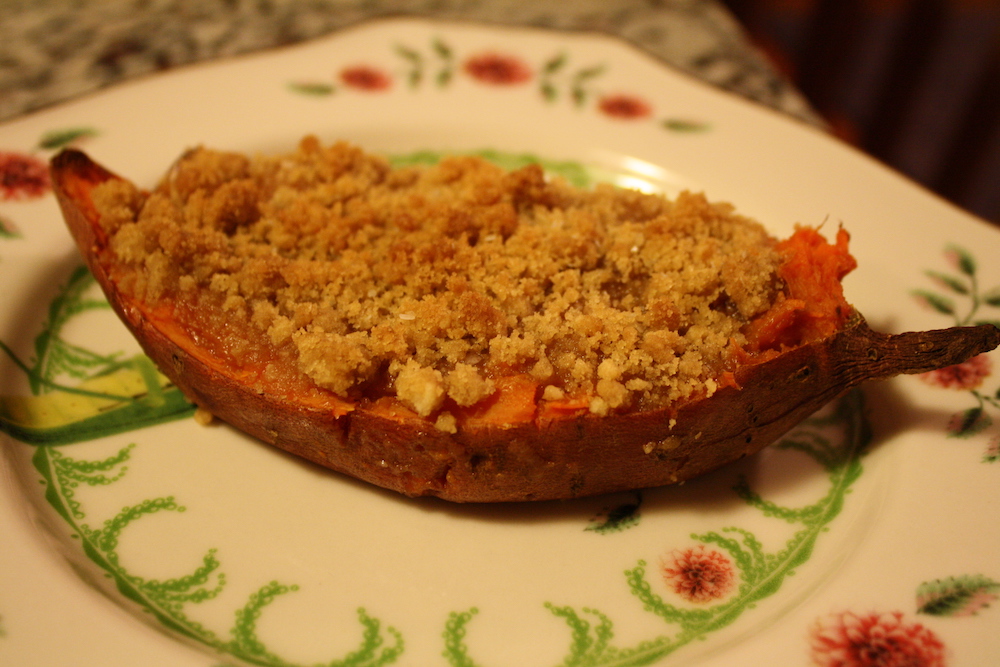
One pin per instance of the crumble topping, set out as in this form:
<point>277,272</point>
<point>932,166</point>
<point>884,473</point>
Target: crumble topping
<point>325,268</point>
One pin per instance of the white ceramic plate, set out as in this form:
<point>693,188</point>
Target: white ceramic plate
<point>871,530</point>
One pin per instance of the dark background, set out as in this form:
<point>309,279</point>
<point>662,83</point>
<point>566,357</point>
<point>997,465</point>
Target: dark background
<point>915,83</point>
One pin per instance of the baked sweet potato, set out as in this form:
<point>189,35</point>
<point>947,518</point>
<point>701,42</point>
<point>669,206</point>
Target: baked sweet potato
<point>513,446</point>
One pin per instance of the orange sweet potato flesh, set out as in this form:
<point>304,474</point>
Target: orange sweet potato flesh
<point>509,448</point>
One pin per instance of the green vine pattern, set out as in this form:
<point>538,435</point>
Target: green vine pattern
<point>591,631</point>
<point>761,573</point>
<point>167,599</point>
<point>60,368</point>
<point>54,355</point>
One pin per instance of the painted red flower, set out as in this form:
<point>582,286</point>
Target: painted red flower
<point>497,69</point>
<point>874,640</point>
<point>626,107</point>
<point>699,574</point>
<point>22,177</point>
<point>363,77</point>
<point>966,375</point>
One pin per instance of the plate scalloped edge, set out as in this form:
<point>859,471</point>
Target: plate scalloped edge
<point>959,291</point>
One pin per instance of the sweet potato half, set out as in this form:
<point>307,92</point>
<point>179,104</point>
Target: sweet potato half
<point>514,447</point>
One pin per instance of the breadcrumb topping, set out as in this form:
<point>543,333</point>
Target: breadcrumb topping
<point>427,284</point>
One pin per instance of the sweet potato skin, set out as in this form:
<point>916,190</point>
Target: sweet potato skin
<point>536,459</point>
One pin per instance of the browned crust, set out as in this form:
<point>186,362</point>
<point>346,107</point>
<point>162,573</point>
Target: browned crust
<point>566,458</point>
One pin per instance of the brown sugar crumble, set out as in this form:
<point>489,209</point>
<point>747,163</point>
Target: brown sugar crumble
<point>325,270</point>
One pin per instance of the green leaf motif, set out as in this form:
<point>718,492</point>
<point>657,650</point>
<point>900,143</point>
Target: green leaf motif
<point>550,89</point>
<point>408,54</point>
<point>964,260</point>
<point>56,139</point>
<point>991,297</point>
<point>685,126</point>
<point>555,64</point>
<point>992,454</point>
<point>578,89</point>
<point>8,230</point>
<point>312,88</point>
<point>957,596</point>
<point>969,422</point>
<point>589,73</point>
<point>549,92</point>
<point>617,518</point>
<point>941,304</point>
<point>950,282</point>
<point>418,65</point>
<point>415,75</point>
<point>442,49</point>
